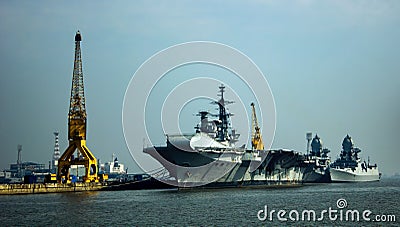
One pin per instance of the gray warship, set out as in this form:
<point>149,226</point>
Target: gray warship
<point>209,157</point>
<point>316,162</point>
<point>349,167</point>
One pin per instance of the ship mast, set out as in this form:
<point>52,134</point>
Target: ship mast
<point>77,126</point>
<point>222,133</point>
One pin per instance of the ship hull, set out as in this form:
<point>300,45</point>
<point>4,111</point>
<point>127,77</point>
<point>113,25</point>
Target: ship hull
<point>278,167</point>
<point>357,175</point>
<point>247,184</point>
<point>317,176</point>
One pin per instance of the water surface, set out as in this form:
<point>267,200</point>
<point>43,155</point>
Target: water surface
<point>219,207</point>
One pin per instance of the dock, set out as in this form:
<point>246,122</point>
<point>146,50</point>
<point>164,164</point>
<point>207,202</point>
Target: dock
<point>38,188</point>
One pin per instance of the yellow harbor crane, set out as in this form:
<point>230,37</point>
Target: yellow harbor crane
<point>77,152</point>
<point>256,138</point>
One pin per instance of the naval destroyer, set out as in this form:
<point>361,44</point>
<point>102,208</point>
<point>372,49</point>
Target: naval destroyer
<point>209,157</point>
<point>316,162</point>
<point>349,167</point>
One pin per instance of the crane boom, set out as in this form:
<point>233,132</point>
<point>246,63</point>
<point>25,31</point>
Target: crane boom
<point>256,138</point>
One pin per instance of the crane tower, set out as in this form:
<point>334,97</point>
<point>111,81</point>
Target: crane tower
<point>77,152</point>
<point>56,154</point>
<point>256,138</point>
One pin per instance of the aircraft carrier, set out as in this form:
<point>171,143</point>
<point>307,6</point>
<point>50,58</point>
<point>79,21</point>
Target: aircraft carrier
<point>209,158</point>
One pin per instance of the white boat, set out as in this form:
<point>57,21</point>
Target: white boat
<point>349,167</point>
<point>357,174</point>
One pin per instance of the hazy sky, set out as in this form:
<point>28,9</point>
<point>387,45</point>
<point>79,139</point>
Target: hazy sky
<point>333,68</point>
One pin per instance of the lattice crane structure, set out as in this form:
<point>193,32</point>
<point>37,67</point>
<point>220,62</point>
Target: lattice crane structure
<point>77,153</point>
<point>256,138</point>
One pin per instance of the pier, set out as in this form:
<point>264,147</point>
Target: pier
<point>37,188</point>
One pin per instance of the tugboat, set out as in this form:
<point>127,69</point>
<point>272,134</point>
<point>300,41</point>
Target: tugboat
<point>317,162</point>
<point>349,167</point>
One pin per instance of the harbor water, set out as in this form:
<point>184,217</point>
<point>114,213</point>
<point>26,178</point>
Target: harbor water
<point>205,207</point>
